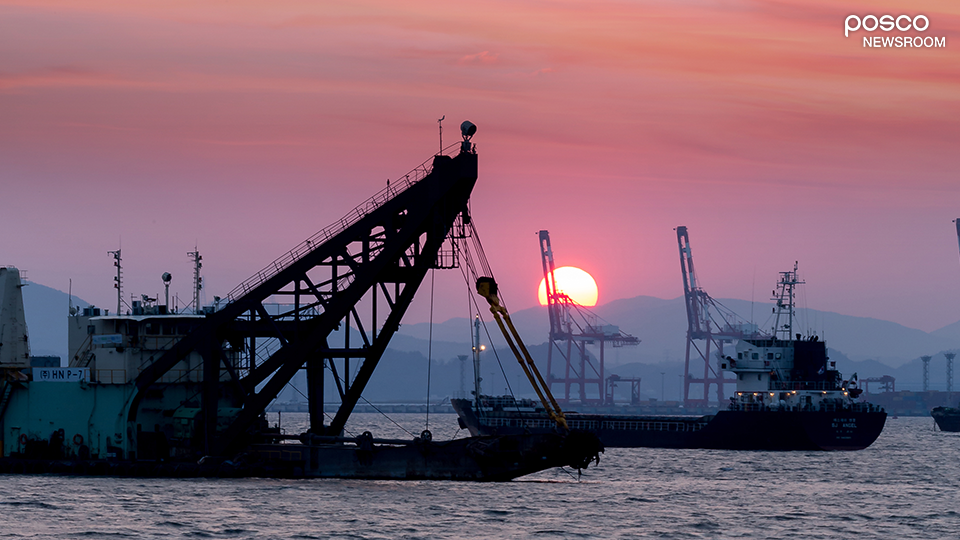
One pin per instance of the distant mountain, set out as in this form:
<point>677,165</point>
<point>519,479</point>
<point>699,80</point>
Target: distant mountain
<point>661,326</point>
<point>909,376</point>
<point>46,311</point>
<point>950,331</point>
<point>870,347</point>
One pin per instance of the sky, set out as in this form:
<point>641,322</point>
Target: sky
<point>242,128</point>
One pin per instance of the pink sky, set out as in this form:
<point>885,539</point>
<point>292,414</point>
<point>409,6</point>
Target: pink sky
<point>244,127</point>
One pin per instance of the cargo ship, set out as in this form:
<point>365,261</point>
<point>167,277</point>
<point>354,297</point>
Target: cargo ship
<point>155,390</point>
<point>947,418</point>
<point>789,396</point>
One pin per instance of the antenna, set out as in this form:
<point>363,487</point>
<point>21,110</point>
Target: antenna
<point>440,124</point>
<point>118,280</point>
<point>197,280</point>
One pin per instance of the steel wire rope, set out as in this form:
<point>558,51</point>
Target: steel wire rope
<point>371,405</point>
<point>473,271</point>
<point>304,397</point>
<point>433,273</point>
<point>464,250</point>
<point>486,331</point>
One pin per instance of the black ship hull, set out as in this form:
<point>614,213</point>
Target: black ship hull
<point>731,430</point>
<point>482,459</point>
<point>947,418</point>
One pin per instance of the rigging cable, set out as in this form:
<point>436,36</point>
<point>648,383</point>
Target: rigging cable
<point>471,266</point>
<point>374,407</point>
<point>433,273</point>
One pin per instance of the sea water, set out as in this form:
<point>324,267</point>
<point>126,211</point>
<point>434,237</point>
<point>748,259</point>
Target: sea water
<point>906,485</point>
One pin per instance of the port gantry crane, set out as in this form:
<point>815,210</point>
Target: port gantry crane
<point>572,328</point>
<point>709,326</point>
<point>360,273</point>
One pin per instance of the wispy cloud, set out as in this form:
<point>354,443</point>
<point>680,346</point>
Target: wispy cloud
<point>484,58</point>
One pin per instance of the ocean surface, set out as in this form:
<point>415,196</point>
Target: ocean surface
<point>907,485</point>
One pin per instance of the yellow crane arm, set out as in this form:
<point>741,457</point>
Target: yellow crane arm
<point>487,288</point>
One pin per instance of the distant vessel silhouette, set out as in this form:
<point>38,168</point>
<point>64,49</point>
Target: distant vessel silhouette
<point>789,397</point>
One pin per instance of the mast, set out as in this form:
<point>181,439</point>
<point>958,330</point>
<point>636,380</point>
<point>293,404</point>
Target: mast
<point>476,363</point>
<point>784,295</point>
<point>118,280</point>
<point>197,279</point>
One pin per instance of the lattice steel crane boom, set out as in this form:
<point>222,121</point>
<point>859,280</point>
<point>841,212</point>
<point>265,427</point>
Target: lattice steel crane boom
<point>360,273</point>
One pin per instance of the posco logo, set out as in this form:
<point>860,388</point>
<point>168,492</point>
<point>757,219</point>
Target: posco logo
<point>887,23</point>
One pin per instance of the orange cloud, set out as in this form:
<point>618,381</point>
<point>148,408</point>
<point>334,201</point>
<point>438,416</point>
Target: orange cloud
<point>643,112</point>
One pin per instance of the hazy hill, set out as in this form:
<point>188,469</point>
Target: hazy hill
<point>870,347</point>
<point>661,326</point>
<point>46,311</point>
<point>951,331</point>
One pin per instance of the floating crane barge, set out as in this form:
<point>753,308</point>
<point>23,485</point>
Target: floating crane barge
<point>183,394</point>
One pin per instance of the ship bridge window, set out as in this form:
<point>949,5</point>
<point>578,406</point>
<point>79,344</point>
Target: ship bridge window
<point>739,356</point>
<point>168,329</point>
<point>769,356</point>
<point>756,356</point>
<point>152,329</point>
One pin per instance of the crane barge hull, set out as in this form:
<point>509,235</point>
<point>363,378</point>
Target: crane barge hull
<point>485,459</point>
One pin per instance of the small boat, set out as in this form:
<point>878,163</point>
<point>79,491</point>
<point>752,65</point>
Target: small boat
<point>947,418</point>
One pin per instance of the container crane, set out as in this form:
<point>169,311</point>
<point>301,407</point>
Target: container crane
<point>572,328</point>
<point>709,326</point>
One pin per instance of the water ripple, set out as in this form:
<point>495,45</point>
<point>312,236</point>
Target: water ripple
<point>902,487</point>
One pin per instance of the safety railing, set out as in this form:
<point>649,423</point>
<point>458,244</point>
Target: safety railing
<point>594,425</point>
<point>393,188</point>
<point>828,405</point>
<point>109,376</point>
<point>803,385</point>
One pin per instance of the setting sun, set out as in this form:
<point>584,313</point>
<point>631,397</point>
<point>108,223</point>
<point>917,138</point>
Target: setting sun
<point>575,283</point>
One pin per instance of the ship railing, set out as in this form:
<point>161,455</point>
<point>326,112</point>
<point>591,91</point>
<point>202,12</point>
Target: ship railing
<point>823,406</point>
<point>394,188</point>
<point>500,403</point>
<point>108,376</point>
<point>595,425</point>
<point>179,376</point>
<point>803,385</point>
